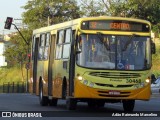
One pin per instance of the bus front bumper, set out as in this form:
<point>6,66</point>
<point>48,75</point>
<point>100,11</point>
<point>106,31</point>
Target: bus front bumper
<point>83,91</point>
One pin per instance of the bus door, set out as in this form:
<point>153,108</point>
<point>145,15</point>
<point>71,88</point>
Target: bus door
<point>35,59</point>
<point>50,65</point>
<point>71,65</point>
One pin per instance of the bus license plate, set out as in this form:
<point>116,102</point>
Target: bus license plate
<point>114,92</point>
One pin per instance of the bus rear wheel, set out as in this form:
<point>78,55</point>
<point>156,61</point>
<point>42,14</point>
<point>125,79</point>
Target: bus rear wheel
<point>128,105</point>
<point>71,103</point>
<point>53,102</point>
<point>101,104</point>
<point>43,99</point>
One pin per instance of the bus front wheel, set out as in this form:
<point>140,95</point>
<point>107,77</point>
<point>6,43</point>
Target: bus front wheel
<point>43,99</point>
<point>128,105</point>
<point>71,103</point>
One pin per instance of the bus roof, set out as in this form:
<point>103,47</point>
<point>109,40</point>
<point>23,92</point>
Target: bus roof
<point>78,21</point>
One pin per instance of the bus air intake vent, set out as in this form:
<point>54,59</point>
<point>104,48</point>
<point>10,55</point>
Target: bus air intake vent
<point>109,85</point>
<point>114,75</point>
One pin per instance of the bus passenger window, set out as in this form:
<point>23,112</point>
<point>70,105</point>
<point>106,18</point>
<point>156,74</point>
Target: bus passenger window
<point>60,37</point>
<point>67,35</point>
<point>46,48</point>
<point>66,50</point>
<point>66,44</point>
<point>41,46</point>
<point>60,41</point>
<point>58,51</point>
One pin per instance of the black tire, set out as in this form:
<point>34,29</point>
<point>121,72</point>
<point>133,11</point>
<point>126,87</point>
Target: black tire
<point>100,103</point>
<point>71,103</point>
<point>53,102</point>
<point>128,105</point>
<point>42,99</point>
<point>91,103</point>
<point>64,89</point>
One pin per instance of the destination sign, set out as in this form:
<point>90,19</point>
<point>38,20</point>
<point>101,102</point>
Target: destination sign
<point>117,25</point>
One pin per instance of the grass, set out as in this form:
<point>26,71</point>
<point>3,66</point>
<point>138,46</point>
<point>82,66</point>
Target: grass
<point>12,75</point>
<point>156,59</point>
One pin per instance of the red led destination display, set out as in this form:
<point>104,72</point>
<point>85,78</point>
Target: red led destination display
<point>116,25</point>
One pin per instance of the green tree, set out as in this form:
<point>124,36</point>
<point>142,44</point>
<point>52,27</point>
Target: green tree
<point>16,52</point>
<point>143,9</point>
<point>38,12</point>
<point>92,8</point>
<point>101,7</point>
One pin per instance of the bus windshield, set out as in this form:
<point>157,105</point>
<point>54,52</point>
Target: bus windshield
<point>99,51</point>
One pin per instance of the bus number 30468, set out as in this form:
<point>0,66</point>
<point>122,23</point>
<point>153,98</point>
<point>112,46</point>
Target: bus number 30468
<point>133,81</point>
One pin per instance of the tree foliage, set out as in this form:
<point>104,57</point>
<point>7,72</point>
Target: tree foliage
<point>38,11</point>
<point>92,8</point>
<point>16,51</point>
<point>143,9</point>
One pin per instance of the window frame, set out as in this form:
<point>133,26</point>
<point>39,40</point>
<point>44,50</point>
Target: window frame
<point>47,46</point>
<point>41,47</point>
<point>61,43</point>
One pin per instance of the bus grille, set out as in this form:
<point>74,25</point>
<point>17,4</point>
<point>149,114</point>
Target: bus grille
<point>110,85</point>
<point>114,75</point>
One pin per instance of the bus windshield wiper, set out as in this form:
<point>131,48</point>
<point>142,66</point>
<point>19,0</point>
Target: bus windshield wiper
<point>99,34</point>
<point>128,42</point>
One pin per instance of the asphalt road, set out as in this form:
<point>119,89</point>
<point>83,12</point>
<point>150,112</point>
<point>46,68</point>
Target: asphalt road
<point>22,103</point>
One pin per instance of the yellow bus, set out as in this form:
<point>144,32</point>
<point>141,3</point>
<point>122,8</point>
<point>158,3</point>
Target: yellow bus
<point>94,60</point>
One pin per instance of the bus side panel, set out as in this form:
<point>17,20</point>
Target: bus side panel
<point>57,82</point>
<point>40,73</point>
<point>45,77</point>
<point>51,65</point>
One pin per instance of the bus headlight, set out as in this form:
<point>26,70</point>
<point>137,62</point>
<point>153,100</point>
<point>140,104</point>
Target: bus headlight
<point>80,78</point>
<point>147,80</point>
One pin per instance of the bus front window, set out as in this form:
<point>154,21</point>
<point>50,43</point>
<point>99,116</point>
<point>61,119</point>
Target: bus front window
<point>114,52</point>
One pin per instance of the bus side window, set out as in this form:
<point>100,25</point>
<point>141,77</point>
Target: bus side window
<point>66,45</point>
<point>60,40</point>
<point>46,47</point>
<point>41,47</point>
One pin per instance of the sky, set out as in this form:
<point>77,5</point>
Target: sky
<point>10,8</point>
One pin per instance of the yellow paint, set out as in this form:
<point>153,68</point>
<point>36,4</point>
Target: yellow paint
<point>82,91</point>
